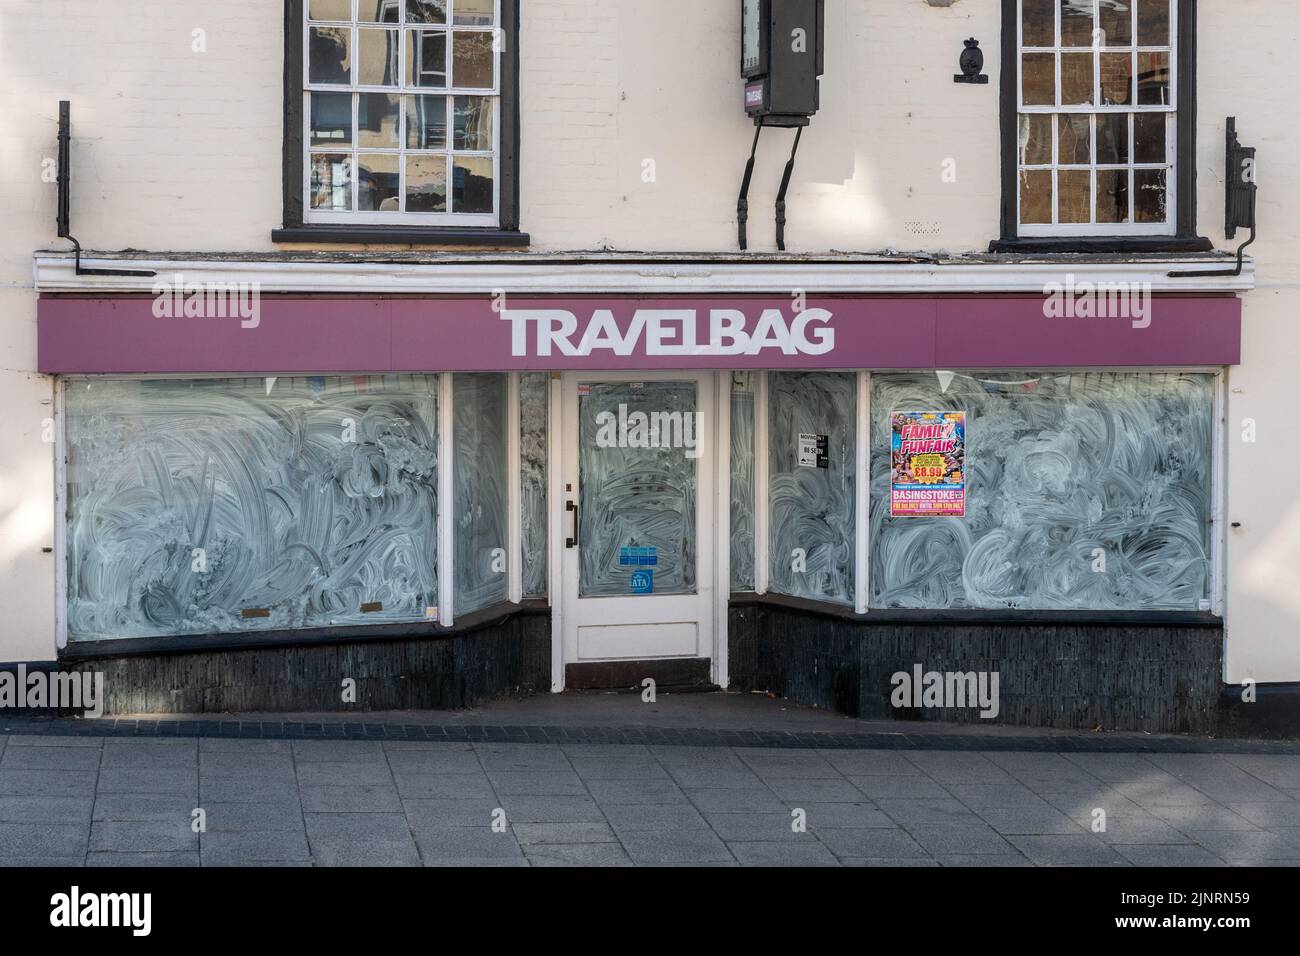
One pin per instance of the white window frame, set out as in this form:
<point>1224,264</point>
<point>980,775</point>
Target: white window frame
<point>1130,228</point>
<point>401,91</point>
<point>862,552</point>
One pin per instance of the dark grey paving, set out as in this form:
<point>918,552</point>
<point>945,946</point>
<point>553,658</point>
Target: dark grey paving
<point>872,844</point>
<point>245,847</point>
<point>533,834</point>
<point>460,844</point>
<point>687,845</point>
<point>148,836</point>
<point>1066,850</point>
<point>959,838</point>
<point>578,854</point>
<point>405,802</point>
<point>1188,855</point>
<point>783,854</point>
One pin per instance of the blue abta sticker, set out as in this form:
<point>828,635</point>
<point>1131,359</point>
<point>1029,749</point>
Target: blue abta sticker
<point>640,557</point>
<point>643,582</point>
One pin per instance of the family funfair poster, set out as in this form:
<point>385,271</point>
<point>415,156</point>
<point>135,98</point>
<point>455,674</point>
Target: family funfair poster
<point>928,477</point>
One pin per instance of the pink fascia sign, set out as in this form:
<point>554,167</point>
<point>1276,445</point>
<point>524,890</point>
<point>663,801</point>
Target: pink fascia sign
<point>123,334</point>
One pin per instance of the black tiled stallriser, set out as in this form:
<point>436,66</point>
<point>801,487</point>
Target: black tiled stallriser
<point>692,737</point>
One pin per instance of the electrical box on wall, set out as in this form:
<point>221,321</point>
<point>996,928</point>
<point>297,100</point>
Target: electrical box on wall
<point>781,59</point>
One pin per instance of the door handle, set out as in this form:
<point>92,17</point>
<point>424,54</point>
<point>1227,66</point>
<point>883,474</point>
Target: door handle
<point>573,541</point>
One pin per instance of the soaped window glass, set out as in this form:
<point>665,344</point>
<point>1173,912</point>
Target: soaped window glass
<point>742,481</point>
<point>245,504</point>
<point>533,404</point>
<point>480,490</point>
<point>812,424</point>
<point>638,486</point>
<point>1084,491</point>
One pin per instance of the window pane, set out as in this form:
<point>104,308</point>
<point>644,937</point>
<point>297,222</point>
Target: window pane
<point>310,498</point>
<point>1149,196</point>
<point>331,181</point>
<point>638,480</point>
<point>426,183</point>
<point>742,481</point>
<point>378,185</point>
<point>1117,22</point>
<point>480,482</point>
<point>1076,79</point>
<point>1153,22</point>
<point>1035,139</point>
<point>1153,79</point>
<point>534,391</point>
<point>473,12</point>
<point>379,11</point>
<point>1149,131</point>
<point>1036,196</point>
<point>1112,195</point>
<point>426,122</point>
<point>426,58</point>
<point>329,10</point>
<point>1075,147</point>
<point>1076,23</point>
<point>1112,139</point>
<point>812,509</point>
<point>1116,79</point>
<point>377,120</point>
<point>379,57</point>
<point>472,184</point>
<point>331,119</point>
<point>1059,463</point>
<point>1038,75</point>
<point>329,55</point>
<point>426,11</point>
<point>1074,195</point>
<point>1038,23</point>
<point>472,60</point>
<point>473,118</point>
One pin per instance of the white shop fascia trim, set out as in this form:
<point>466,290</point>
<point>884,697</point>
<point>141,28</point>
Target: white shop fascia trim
<point>572,275</point>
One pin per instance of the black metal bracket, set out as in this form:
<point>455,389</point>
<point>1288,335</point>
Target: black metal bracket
<point>65,198</point>
<point>1240,193</point>
<point>780,196</point>
<point>742,203</point>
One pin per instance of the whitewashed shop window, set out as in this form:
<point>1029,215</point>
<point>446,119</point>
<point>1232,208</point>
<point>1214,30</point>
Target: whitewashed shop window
<point>480,476</point>
<point>248,504</point>
<point>1097,117</point>
<point>742,480</point>
<point>1084,491</point>
<point>812,455</point>
<point>402,112</point>
<point>534,405</point>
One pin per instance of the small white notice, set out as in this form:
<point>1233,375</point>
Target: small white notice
<point>814,451</point>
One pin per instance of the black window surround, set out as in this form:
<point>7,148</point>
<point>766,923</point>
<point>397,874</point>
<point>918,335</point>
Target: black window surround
<point>295,229</point>
<point>1185,239</point>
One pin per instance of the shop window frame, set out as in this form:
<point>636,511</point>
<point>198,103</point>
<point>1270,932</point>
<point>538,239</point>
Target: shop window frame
<point>447,621</point>
<point>862,610</point>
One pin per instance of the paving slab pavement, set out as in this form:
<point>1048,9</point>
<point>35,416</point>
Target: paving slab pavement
<point>607,780</point>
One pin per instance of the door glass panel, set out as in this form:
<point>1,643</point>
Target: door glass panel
<point>638,447</point>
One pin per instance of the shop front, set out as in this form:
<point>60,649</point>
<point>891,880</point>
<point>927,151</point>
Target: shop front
<point>445,497</point>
